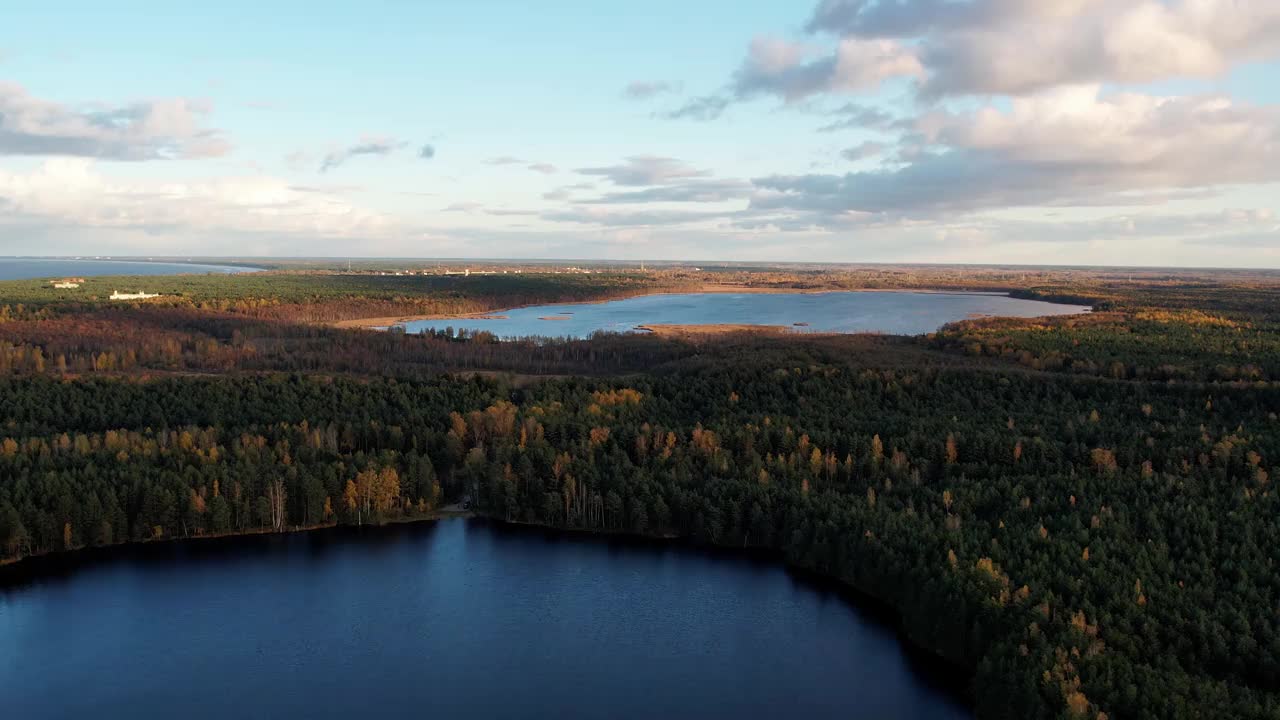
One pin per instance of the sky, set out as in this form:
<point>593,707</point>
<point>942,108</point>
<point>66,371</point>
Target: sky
<point>1083,132</point>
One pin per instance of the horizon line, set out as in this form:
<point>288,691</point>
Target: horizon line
<point>243,259</point>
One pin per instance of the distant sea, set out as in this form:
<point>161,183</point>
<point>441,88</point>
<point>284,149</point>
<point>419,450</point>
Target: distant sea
<point>23,268</point>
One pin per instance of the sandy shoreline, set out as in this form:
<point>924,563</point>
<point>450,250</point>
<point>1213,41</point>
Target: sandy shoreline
<point>673,330</point>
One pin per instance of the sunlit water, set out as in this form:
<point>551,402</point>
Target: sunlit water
<point>898,313</point>
<point>457,619</point>
<point>24,268</point>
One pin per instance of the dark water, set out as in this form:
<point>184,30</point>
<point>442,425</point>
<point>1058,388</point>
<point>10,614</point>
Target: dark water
<point>898,313</point>
<point>24,268</point>
<point>457,619</point>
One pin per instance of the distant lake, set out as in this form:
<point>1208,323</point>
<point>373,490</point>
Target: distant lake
<point>25,268</point>
<point>898,313</point>
<point>455,619</point>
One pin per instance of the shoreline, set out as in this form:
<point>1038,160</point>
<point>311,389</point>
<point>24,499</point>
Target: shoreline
<point>10,563</point>
<point>685,331</point>
<point>388,321</point>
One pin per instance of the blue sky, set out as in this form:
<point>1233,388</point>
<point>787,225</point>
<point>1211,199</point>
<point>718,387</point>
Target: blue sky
<point>1060,131</point>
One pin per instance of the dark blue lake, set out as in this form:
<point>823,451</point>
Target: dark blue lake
<point>898,313</point>
<point>455,619</point>
<point>24,268</point>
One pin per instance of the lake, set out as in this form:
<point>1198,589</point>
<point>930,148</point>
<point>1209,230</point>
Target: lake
<point>25,268</point>
<point>898,313</point>
<point>457,619</point>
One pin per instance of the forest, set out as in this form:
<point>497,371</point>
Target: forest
<point>1078,511</point>
<point>323,296</point>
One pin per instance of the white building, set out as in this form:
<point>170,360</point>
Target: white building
<point>117,295</point>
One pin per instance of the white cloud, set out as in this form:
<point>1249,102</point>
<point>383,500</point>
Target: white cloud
<point>151,130</point>
<point>68,206</point>
<point>1244,237</point>
<point>642,170</point>
<point>378,146</point>
<point>790,71</point>
<point>1068,146</point>
<point>703,108</point>
<point>70,192</point>
<point>645,89</point>
<point>855,116</point>
<point>538,167</point>
<point>630,218</point>
<point>864,151</point>
<point>797,71</point>
<point>1167,138</point>
<point>693,191</point>
<point>1017,47</point>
